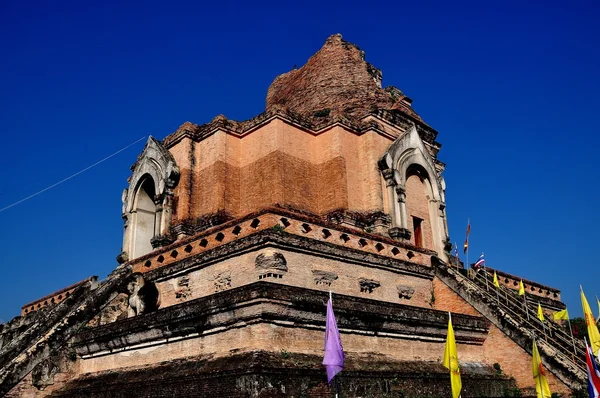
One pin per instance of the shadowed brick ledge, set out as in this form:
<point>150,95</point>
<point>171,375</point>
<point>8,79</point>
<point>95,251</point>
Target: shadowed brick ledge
<point>265,302</point>
<point>277,375</point>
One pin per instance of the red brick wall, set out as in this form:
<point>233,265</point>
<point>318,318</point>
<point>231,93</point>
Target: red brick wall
<point>516,362</point>
<point>447,300</point>
<point>279,164</point>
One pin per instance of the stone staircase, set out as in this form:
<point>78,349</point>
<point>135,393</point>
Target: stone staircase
<point>44,335</point>
<point>552,332</point>
<point>506,310</point>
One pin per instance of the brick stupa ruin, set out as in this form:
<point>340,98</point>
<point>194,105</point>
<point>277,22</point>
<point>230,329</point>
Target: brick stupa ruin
<point>234,234</point>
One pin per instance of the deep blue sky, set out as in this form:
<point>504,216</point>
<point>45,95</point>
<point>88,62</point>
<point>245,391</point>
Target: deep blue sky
<point>512,89</point>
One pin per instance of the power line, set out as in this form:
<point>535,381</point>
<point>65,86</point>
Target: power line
<point>71,176</point>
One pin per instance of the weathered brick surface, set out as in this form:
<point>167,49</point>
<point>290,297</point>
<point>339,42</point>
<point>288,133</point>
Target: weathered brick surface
<point>365,348</point>
<point>226,239</point>
<point>337,78</point>
<point>26,389</point>
<point>264,374</point>
<point>516,362</point>
<point>280,164</point>
<point>241,270</point>
<point>497,349</point>
<point>316,147</point>
<point>447,300</point>
<point>182,153</point>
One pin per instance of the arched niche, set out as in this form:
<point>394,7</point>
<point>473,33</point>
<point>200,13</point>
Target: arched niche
<point>408,169</point>
<point>143,217</point>
<point>418,193</point>
<point>148,201</point>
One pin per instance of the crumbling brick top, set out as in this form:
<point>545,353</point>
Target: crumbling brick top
<point>336,85</point>
<point>336,81</point>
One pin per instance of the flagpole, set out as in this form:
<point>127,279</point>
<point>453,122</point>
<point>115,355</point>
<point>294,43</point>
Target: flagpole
<point>468,265</point>
<point>572,338</point>
<point>525,303</point>
<point>487,285</point>
<point>456,251</point>
<point>335,384</point>
<point>539,379</point>
<point>335,381</point>
<point>467,239</point>
<point>544,326</point>
<point>598,301</point>
<point>498,294</point>
<point>542,318</point>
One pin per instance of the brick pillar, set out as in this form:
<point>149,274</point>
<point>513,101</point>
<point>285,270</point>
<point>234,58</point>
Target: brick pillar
<point>401,192</point>
<point>390,184</point>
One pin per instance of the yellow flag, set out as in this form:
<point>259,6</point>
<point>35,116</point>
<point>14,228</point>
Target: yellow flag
<point>590,321</point>
<point>496,280</point>
<point>451,362</point>
<point>540,313</point>
<point>561,315</point>
<point>521,288</point>
<point>539,375</point>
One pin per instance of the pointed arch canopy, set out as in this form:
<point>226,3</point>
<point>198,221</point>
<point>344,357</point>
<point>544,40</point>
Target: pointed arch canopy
<point>407,156</point>
<point>407,151</point>
<point>157,162</point>
<point>147,202</point>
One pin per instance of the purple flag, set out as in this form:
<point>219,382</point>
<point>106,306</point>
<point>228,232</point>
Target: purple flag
<point>334,352</point>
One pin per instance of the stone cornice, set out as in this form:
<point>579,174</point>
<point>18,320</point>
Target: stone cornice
<point>287,224</point>
<point>264,302</point>
<point>295,373</point>
<point>315,126</point>
<point>270,238</point>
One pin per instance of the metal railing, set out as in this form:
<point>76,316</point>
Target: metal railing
<point>513,306</point>
<point>529,308</point>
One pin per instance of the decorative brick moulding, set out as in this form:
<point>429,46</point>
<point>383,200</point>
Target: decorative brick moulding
<point>281,221</point>
<point>54,298</point>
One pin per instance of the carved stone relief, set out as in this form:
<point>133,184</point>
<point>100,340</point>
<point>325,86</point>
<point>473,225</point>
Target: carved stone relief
<point>183,291</point>
<point>270,264</point>
<point>55,366</point>
<point>368,285</point>
<point>43,375</point>
<point>222,281</point>
<point>324,277</point>
<point>405,292</point>
<point>143,296</point>
<point>115,310</point>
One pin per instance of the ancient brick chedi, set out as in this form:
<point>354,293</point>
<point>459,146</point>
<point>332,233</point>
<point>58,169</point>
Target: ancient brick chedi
<point>235,232</point>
